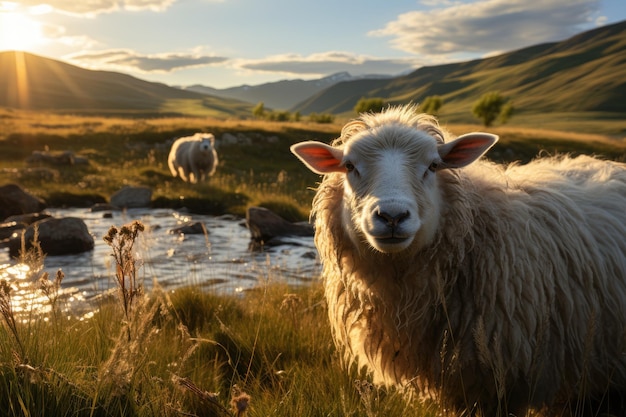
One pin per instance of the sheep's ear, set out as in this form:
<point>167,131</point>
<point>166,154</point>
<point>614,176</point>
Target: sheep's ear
<point>465,149</point>
<point>319,157</point>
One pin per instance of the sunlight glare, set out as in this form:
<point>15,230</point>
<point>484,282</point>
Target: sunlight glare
<point>19,32</point>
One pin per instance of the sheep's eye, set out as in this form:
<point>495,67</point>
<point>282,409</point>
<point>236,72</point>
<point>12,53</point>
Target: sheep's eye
<point>431,169</point>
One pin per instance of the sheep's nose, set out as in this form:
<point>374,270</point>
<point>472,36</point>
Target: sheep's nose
<point>392,220</point>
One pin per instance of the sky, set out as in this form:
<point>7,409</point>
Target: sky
<point>227,43</point>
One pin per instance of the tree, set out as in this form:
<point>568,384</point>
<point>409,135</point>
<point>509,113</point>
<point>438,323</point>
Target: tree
<point>369,105</point>
<point>506,113</point>
<point>431,104</point>
<point>488,107</point>
<point>259,110</point>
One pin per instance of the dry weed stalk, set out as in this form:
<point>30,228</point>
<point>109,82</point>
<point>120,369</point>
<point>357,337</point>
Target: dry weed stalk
<point>369,396</point>
<point>290,305</point>
<point>6,309</point>
<point>34,255</point>
<point>122,242</point>
<point>51,289</point>
<point>130,356</point>
<point>240,401</point>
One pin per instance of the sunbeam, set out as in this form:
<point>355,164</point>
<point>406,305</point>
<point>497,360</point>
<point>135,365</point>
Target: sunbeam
<point>19,32</point>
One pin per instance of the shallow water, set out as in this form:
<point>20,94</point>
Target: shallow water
<point>219,260</point>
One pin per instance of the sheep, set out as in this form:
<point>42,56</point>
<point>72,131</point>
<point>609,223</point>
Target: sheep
<point>193,158</point>
<point>493,289</point>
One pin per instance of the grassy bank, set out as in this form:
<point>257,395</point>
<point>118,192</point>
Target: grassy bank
<point>125,151</point>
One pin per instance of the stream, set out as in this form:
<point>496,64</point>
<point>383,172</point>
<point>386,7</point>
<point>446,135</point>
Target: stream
<point>219,261</point>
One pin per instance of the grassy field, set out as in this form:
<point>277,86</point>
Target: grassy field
<point>189,352</point>
<point>267,352</point>
<point>133,151</point>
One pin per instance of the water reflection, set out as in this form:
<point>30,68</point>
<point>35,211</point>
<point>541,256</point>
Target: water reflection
<point>219,260</point>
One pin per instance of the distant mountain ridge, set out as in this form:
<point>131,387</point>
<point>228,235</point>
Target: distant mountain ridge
<point>582,73</point>
<point>36,83</point>
<point>282,94</point>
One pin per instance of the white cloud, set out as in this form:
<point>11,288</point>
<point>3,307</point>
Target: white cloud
<point>487,25</point>
<point>94,7</point>
<point>328,63</point>
<point>128,60</point>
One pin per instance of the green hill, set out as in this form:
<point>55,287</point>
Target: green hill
<point>32,82</point>
<point>581,74</point>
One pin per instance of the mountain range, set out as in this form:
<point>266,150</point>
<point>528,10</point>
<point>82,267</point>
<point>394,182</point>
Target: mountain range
<point>586,73</point>
<point>282,94</point>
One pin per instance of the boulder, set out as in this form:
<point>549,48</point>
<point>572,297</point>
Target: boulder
<point>190,228</point>
<point>103,207</point>
<point>132,197</point>
<point>265,225</point>
<point>27,218</point>
<point>8,228</point>
<point>64,236</point>
<point>14,200</point>
<point>56,158</point>
<point>17,223</point>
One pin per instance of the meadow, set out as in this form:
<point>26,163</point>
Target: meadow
<point>189,352</point>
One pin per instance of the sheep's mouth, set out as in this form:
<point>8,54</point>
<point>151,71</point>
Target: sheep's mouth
<point>391,240</point>
<point>390,244</point>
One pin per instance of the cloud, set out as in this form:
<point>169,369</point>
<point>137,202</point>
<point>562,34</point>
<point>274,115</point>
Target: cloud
<point>329,63</point>
<point>487,25</point>
<point>128,60</point>
<point>94,7</point>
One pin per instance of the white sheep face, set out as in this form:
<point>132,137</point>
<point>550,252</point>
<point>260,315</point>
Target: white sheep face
<point>391,198</point>
<point>206,145</point>
<point>381,187</point>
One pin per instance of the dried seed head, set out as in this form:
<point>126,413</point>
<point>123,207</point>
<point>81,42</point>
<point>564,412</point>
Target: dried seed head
<point>110,236</point>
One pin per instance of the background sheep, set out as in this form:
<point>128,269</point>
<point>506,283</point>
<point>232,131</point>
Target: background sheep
<point>492,288</point>
<point>193,158</point>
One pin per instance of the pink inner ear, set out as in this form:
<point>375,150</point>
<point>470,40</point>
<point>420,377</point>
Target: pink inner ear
<point>315,151</point>
<point>467,148</point>
<point>463,151</point>
<point>320,158</point>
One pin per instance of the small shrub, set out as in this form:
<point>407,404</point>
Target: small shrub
<point>432,105</point>
<point>369,105</point>
<point>321,118</point>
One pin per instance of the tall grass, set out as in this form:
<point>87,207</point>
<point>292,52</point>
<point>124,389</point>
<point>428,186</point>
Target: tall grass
<point>186,352</point>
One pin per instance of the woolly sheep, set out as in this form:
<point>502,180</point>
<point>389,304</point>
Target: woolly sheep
<point>193,158</point>
<point>493,289</point>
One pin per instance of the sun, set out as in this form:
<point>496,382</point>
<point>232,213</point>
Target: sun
<point>19,32</point>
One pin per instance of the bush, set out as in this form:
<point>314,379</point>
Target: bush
<point>490,106</point>
<point>506,113</point>
<point>431,104</point>
<point>369,105</point>
<point>259,110</point>
<point>321,118</point>
<point>279,116</point>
